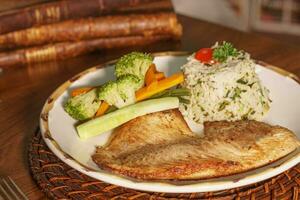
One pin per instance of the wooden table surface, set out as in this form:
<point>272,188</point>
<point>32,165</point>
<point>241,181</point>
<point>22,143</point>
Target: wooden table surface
<point>23,90</point>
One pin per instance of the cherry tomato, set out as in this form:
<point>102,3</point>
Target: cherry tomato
<point>204,55</point>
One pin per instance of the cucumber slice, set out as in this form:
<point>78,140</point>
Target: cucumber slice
<point>114,119</point>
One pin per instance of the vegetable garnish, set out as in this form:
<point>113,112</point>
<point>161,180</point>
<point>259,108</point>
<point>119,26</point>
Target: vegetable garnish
<point>178,92</point>
<point>162,85</point>
<point>121,92</point>
<point>222,52</point>
<point>159,76</point>
<point>102,109</point>
<point>152,89</point>
<point>83,106</point>
<point>218,53</point>
<point>79,91</point>
<point>150,75</point>
<point>114,119</point>
<point>204,55</point>
<point>135,63</point>
<point>136,79</point>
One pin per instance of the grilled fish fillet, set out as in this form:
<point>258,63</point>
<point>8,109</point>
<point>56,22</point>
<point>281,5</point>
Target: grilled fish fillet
<point>161,146</point>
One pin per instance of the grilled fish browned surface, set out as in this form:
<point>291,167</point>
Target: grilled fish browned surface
<point>161,146</point>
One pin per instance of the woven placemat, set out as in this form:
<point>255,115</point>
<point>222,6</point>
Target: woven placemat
<point>59,181</point>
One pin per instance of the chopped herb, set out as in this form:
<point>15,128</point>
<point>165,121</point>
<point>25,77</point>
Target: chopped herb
<point>199,81</point>
<point>245,117</point>
<point>242,81</point>
<point>250,112</point>
<point>223,105</point>
<point>251,84</point>
<point>231,114</point>
<point>222,52</point>
<point>261,92</point>
<point>237,93</point>
<point>202,109</point>
<point>227,93</point>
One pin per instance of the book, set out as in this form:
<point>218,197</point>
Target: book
<point>64,50</point>
<point>108,26</point>
<point>57,11</point>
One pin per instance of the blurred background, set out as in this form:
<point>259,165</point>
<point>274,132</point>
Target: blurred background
<point>279,18</point>
<point>274,18</point>
<point>35,31</point>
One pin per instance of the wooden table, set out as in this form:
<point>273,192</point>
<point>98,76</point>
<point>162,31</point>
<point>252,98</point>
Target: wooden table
<point>23,90</point>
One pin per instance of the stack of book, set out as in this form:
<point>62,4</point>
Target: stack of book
<point>68,28</point>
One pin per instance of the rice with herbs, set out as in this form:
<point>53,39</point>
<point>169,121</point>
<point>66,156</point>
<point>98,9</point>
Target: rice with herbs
<point>230,90</point>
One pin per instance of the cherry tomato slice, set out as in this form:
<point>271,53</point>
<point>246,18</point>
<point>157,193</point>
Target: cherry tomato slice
<point>204,55</point>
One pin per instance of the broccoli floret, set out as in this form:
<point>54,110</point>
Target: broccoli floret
<point>83,106</point>
<point>127,85</point>
<point>120,93</point>
<point>109,93</point>
<point>135,63</point>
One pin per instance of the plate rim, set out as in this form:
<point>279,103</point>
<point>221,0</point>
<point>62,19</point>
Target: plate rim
<point>69,160</point>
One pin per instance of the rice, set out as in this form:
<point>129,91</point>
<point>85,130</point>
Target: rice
<point>230,90</point>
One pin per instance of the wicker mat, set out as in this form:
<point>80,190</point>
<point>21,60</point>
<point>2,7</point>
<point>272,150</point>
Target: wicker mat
<point>59,181</point>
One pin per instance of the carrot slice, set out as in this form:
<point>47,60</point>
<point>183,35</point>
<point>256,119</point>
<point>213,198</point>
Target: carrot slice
<point>150,74</point>
<point>153,75</point>
<point>152,85</point>
<point>79,91</point>
<point>159,76</point>
<point>102,109</point>
<point>162,85</point>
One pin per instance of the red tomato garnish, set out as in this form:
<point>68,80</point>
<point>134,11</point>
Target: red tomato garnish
<point>204,55</point>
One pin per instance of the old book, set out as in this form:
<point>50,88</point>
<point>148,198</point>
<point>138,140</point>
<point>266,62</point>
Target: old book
<point>64,50</point>
<point>57,11</point>
<point>108,26</point>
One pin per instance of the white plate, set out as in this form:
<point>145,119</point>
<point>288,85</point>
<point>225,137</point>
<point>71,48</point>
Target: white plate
<point>60,135</point>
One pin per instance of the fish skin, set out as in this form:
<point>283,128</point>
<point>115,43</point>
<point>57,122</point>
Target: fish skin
<point>160,146</point>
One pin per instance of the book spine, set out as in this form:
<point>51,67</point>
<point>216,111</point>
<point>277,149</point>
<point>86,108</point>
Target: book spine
<point>61,51</point>
<point>108,26</point>
<point>54,12</point>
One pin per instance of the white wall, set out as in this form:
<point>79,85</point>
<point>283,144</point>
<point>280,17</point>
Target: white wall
<point>216,11</point>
